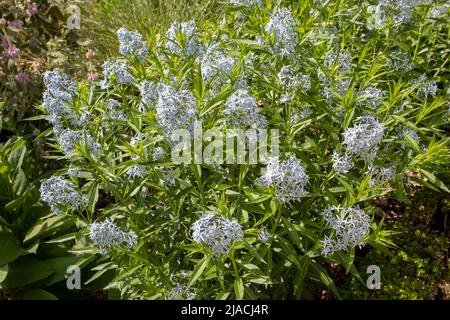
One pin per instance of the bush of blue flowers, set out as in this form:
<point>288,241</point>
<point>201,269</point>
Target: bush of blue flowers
<point>359,111</point>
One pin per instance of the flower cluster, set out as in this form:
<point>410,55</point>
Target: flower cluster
<point>283,25</point>
<point>264,235</point>
<point>149,93</point>
<point>351,226</point>
<point>425,87</point>
<point>189,44</point>
<point>176,109</point>
<point>287,176</point>
<point>342,59</point>
<point>158,154</point>
<point>371,97</point>
<point>242,111</point>
<point>399,60</point>
<point>216,232</point>
<point>179,290</point>
<point>69,140</point>
<point>216,65</point>
<point>131,44</point>
<point>342,163</point>
<point>380,175</point>
<point>57,191</point>
<point>106,235</point>
<point>116,111</point>
<point>246,3</point>
<point>363,138</point>
<point>292,81</point>
<point>117,70</point>
<point>59,92</point>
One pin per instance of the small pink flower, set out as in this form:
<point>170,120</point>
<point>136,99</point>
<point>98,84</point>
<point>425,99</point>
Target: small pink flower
<point>17,24</point>
<point>2,21</point>
<point>32,9</point>
<point>11,52</point>
<point>23,78</point>
<point>92,76</point>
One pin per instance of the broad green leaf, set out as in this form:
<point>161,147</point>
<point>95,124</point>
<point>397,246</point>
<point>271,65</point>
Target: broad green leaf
<point>9,248</point>
<point>26,270</point>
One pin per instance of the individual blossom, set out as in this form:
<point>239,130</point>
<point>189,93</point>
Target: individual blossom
<point>399,60</point>
<point>350,226</point>
<point>138,138</point>
<point>264,235</point>
<point>16,24</point>
<point>106,235</point>
<point>283,26</point>
<point>190,44</point>
<point>377,16</point>
<point>342,163</point>
<point>32,9</point>
<point>241,111</point>
<point>92,76</point>
<point>181,292</point>
<point>425,87</point>
<point>380,175</point>
<point>168,177</point>
<point>10,53</point>
<point>438,12</point>
<point>371,97</point>
<point>22,78</point>
<point>287,176</point>
<point>363,138</point>
<point>118,70</point>
<point>137,171</point>
<point>292,81</point>
<point>57,191</point>
<point>216,232</point>
<point>74,171</point>
<point>131,44</point>
<point>290,78</point>
<point>342,59</point>
<point>158,154</point>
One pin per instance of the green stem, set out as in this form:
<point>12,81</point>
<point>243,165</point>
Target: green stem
<point>275,226</point>
<point>417,44</point>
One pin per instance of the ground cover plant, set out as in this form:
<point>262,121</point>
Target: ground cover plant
<point>249,156</point>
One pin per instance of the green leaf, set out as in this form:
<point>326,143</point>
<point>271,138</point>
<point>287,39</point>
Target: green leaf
<point>239,288</point>
<point>102,269</point>
<point>9,248</point>
<point>434,180</point>
<point>60,265</point>
<point>38,294</point>
<point>325,278</point>
<point>26,270</point>
<point>198,270</point>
